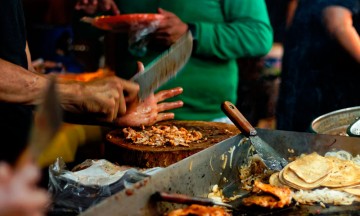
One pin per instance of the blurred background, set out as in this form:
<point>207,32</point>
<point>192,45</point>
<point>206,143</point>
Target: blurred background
<point>60,42</point>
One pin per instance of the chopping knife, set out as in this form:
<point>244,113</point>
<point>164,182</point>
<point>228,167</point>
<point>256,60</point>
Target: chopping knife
<point>48,119</point>
<point>166,66</point>
<point>270,157</point>
<point>185,199</point>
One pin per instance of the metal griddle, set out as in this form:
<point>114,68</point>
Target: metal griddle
<point>196,175</point>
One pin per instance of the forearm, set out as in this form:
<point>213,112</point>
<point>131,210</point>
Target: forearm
<point>349,40</point>
<point>291,8</point>
<point>18,85</point>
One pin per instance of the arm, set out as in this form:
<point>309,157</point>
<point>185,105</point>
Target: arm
<point>291,8</point>
<point>18,85</point>
<point>102,100</point>
<point>339,23</point>
<point>247,31</point>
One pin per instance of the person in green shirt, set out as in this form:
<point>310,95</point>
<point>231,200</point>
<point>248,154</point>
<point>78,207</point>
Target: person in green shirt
<point>223,31</point>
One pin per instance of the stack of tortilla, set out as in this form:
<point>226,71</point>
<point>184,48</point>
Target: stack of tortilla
<point>314,171</point>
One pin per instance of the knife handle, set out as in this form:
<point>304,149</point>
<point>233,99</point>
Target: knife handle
<point>182,199</point>
<point>238,119</point>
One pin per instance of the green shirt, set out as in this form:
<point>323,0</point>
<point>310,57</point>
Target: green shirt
<point>225,31</point>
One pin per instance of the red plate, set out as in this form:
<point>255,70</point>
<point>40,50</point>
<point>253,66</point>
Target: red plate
<point>127,22</point>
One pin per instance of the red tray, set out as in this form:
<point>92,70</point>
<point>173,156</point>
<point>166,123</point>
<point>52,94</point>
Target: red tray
<point>126,22</point>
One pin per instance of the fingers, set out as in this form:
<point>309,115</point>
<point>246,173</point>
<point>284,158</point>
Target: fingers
<point>121,108</point>
<point>131,88</point>
<point>166,23</point>
<point>169,105</point>
<point>29,174</point>
<point>81,4</point>
<point>23,195</point>
<point>164,116</point>
<point>165,12</point>
<point>5,172</point>
<point>36,201</point>
<point>116,111</point>
<point>105,5</point>
<point>165,94</point>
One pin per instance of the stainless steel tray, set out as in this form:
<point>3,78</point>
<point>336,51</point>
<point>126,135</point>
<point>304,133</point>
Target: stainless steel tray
<point>197,174</point>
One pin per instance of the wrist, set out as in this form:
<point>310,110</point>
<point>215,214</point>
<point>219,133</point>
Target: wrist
<point>70,94</point>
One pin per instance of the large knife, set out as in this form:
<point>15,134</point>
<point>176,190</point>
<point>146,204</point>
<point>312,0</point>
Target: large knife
<point>166,66</point>
<point>47,121</point>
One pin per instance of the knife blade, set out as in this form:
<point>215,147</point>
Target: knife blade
<point>48,118</point>
<point>166,66</point>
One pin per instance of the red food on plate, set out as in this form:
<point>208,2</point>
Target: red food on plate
<point>127,22</point>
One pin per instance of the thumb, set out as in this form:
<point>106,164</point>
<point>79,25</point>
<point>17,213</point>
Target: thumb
<point>164,12</point>
<point>141,67</point>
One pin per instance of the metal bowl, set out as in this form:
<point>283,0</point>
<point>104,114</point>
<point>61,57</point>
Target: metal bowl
<point>336,122</point>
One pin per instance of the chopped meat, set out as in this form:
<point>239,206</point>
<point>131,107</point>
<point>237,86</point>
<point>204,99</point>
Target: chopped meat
<point>261,200</point>
<point>283,196</point>
<point>199,210</point>
<point>162,135</point>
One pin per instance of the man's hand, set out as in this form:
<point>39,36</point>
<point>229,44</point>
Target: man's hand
<point>151,110</point>
<point>91,6</point>
<point>170,29</point>
<point>19,194</point>
<point>102,99</point>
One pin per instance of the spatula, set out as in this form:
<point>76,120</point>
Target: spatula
<point>185,199</point>
<point>270,157</point>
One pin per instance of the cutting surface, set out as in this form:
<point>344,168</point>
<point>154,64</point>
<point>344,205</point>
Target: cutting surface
<point>124,151</point>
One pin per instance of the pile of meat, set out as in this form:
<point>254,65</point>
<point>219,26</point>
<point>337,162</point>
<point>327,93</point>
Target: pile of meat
<point>162,135</point>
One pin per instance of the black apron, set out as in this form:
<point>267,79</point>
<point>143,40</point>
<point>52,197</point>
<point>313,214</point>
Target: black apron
<point>15,120</point>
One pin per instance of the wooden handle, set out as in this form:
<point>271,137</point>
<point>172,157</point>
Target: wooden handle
<point>238,119</point>
<point>182,199</point>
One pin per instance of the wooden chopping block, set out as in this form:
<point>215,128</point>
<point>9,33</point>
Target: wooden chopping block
<point>124,152</point>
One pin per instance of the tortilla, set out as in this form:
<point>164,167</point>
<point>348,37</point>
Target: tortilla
<point>294,181</point>
<point>275,180</point>
<point>311,168</point>
<point>353,191</point>
<point>344,173</point>
<point>281,178</point>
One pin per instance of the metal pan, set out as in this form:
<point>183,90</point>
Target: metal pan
<point>196,175</point>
